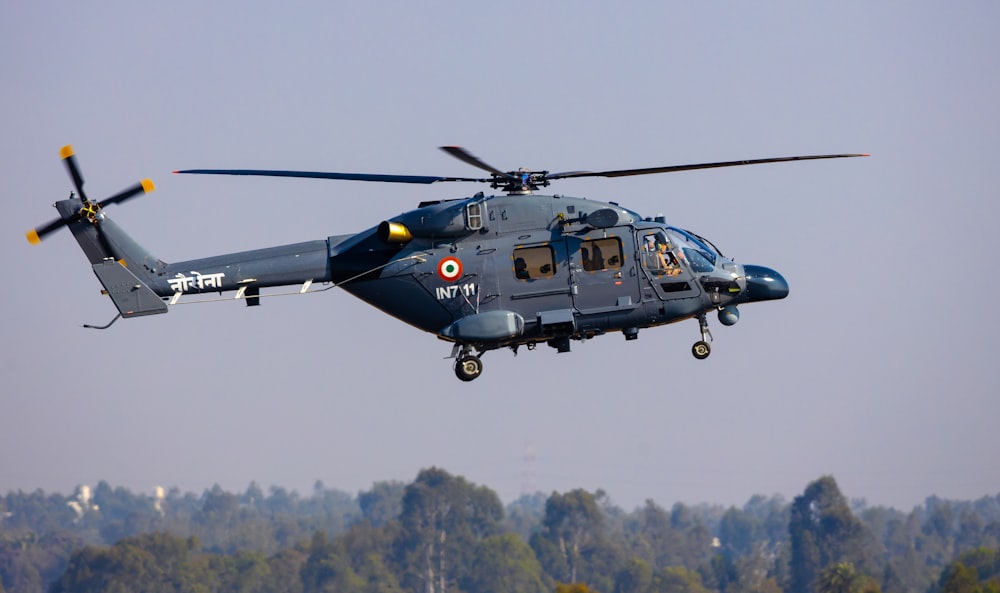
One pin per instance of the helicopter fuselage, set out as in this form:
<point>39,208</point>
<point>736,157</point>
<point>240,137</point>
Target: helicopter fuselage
<point>497,271</point>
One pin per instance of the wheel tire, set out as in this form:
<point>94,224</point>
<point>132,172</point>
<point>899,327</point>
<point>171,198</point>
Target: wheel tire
<point>701,350</point>
<point>468,368</point>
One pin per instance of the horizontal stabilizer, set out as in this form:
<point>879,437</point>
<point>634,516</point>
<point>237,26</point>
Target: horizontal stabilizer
<point>130,295</point>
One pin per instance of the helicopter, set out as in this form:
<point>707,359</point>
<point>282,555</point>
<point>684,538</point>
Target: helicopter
<point>482,272</point>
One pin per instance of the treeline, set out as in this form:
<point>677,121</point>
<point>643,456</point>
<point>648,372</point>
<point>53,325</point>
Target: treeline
<point>443,534</point>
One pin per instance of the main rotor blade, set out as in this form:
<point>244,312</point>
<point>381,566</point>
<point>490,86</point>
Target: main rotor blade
<point>425,179</point>
<point>673,168</point>
<point>68,157</point>
<point>144,186</point>
<point>467,157</point>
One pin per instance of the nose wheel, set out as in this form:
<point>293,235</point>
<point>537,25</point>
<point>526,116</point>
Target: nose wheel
<point>468,367</point>
<point>701,349</point>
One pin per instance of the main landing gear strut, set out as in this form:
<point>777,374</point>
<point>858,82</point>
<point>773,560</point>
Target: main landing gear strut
<point>701,349</point>
<point>468,366</point>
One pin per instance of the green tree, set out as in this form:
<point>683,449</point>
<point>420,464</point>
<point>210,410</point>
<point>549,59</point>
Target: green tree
<point>29,561</point>
<point>328,568</point>
<point>974,571</point>
<point>504,563</point>
<point>654,539</point>
<point>572,522</point>
<point>842,578</point>
<point>958,578</point>
<point>152,562</point>
<point>823,531</point>
<point>524,515</point>
<point>383,503</point>
<point>573,588</point>
<point>635,577</point>
<point>369,551</point>
<point>738,531</point>
<point>442,519</point>
<point>677,579</point>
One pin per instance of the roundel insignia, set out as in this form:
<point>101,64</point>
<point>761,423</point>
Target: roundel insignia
<point>450,269</point>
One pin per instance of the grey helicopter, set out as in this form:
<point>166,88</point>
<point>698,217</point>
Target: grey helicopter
<point>483,272</point>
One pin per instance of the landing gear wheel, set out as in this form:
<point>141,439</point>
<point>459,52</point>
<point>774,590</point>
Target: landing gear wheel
<point>701,350</point>
<point>468,368</point>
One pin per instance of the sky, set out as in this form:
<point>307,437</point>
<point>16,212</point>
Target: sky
<point>878,369</point>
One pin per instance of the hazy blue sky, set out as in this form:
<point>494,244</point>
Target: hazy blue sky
<point>880,368</point>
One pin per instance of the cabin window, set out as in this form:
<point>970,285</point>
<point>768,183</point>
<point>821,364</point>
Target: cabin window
<point>531,263</point>
<point>601,254</point>
<point>474,216</point>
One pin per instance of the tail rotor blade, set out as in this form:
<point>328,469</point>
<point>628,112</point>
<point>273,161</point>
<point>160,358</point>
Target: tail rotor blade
<point>36,235</point>
<point>69,157</point>
<point>144,186</point>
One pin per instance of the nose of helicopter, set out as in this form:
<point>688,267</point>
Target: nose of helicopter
<point>764,284</point>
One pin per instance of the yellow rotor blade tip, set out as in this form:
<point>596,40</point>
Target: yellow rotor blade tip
<point>147,185</point>
<point>66,151</point>
<point>33,237</point>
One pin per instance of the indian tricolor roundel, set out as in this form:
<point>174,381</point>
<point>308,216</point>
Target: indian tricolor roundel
<point>450,269</point>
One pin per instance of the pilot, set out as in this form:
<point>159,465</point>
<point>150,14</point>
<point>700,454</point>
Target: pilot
<point>649,249</point>
<point>662,254</point>
<point>521,269</point>
<point>660,257</point>
<point>667,259</point>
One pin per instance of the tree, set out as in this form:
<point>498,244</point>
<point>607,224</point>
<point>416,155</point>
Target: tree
<point>974,571</point>
<point>677,579</point>
<point>442,519</point>
<point>383,503</point>
<point>635,577</point>
<point>327,568</point>
<point>737,532</point>
<point>842,578</point>
<point>504,563</point>
<point>823,531</point>
<point>573,588</point>
<point>152,562</point>
<point>572,521</point>
<point>653,537</point>
<point>959,578</point>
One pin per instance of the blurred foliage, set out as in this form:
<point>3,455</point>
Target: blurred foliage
<point>443,534</point>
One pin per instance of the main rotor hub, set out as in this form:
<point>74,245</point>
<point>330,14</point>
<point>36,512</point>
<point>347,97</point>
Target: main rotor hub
<point>520,182</point>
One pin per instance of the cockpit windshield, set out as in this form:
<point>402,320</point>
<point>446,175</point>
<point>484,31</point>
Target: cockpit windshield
<point>697,260</point>
<point>693,241</point>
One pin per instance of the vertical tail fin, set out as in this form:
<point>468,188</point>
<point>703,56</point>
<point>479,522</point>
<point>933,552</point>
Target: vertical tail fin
<point>123,266</point>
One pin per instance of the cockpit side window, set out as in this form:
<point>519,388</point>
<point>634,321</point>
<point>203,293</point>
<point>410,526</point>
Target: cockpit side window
<point>531,263</point>
<point>657,254</point>
<point>601,254</point>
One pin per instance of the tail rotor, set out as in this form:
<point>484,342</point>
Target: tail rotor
<point>88,210</point>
